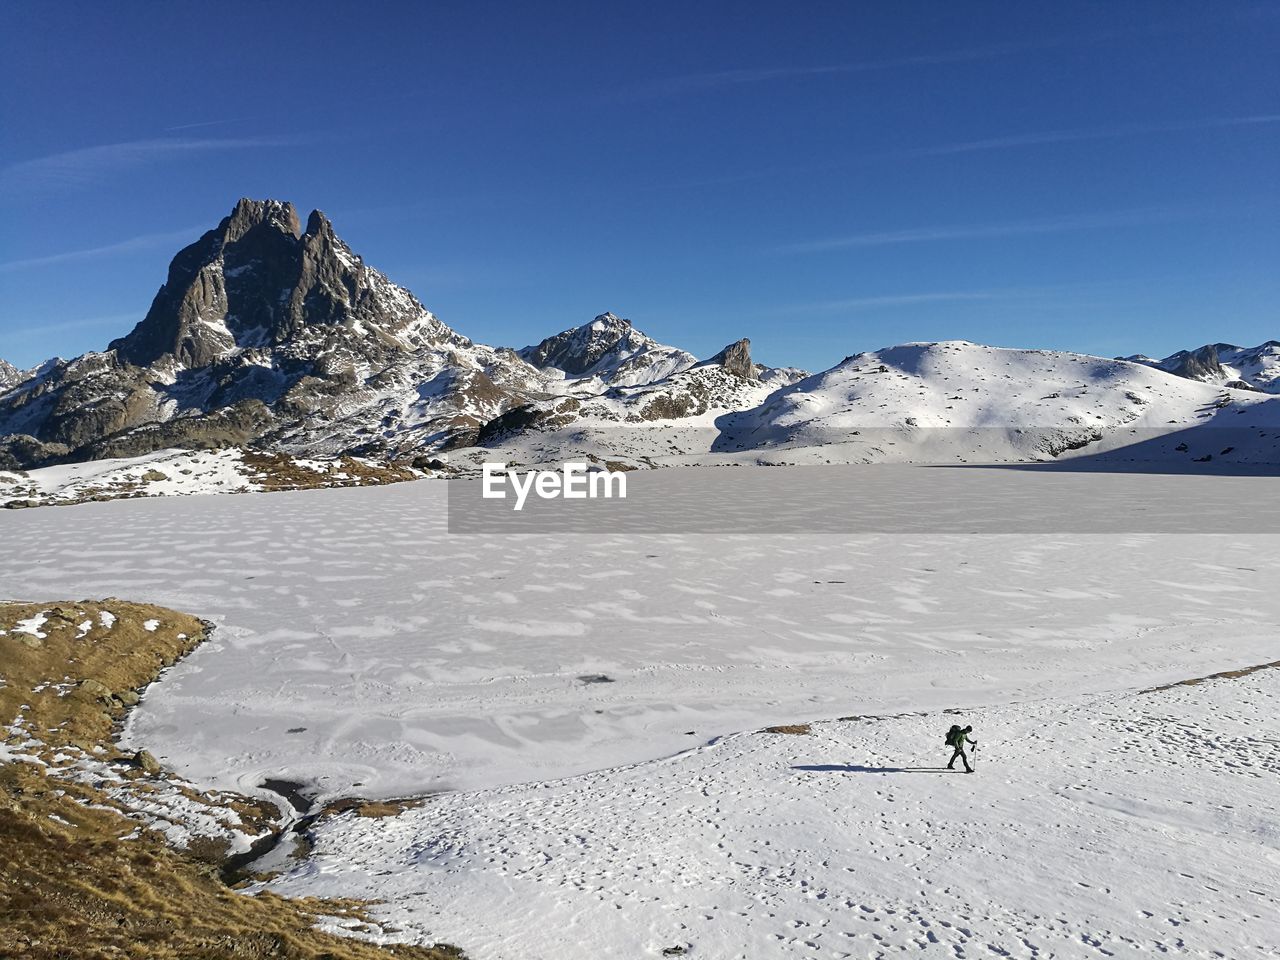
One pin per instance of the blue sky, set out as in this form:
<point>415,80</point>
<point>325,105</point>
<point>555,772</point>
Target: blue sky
<point>823,178</point>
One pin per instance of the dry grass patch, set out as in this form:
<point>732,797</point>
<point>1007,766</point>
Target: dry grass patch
<point>1224,675</point>
<point>71,670</point>
<point>79,878</point>
<point>373,809</point>
<point>798,729</point>
<point>278,471</point>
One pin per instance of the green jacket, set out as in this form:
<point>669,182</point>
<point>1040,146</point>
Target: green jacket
<point>959,740</point>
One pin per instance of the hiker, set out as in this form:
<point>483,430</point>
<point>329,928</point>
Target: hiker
<point>957,737</point>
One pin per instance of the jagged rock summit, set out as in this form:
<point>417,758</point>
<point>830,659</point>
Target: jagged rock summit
<point>258,280</point>
<point>736,358</point>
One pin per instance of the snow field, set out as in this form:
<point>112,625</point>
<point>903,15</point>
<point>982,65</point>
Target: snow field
<point>362,649</point>
<point>1094,826</point>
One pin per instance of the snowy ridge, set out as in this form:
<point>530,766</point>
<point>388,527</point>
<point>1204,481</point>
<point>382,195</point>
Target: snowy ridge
<point>1257,367</point>
<point>643,425</point>
<point>960,400</point>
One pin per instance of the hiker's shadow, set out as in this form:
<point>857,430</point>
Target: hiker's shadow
<point>852,768</point>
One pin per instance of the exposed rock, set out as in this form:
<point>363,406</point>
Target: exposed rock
<point>428,463</point>
<point>1201,364</point>
<point>736,358</point>
<point>148,763</point>
<point>530,417</point>
<point>19,451</point>
<point>129,698</point>
<point>95,689</point>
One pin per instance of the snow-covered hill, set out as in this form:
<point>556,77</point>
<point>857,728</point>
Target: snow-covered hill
<point>1124,825</point>
<point>1257,367</point>
<point>960,400</point>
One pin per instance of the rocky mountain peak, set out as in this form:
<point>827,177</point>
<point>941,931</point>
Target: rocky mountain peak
<point>318,224</point>
<point>1198,364</point>
<point>8,375</point>
<point>250,214</point>
<point>265,332</point>
<point>736,358</point>
<point>257,280</point>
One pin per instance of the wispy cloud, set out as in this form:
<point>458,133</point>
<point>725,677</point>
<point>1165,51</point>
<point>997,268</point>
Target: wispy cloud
<point>720,79</point>
<point>204,123</point>
<point>1115,132</point>
<point>144,241</point>
<point>88,165</point>
<point>1013,141</point>
<point>992,231</point>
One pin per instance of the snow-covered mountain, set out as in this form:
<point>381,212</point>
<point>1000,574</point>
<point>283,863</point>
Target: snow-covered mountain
<point>269,335</point>
<point>265,332</point>
<point>1257,367</point>
<point>607,351</point>
<point>963,401</point>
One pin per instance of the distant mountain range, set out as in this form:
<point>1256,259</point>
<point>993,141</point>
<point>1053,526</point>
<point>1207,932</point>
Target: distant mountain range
<point>273,336</point>
<point>1256,368</point>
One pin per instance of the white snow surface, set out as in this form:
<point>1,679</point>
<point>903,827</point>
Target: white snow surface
<point>1093,826</point>
<point>618,819</point>
<point>168,472</point>
<point>419,660</point>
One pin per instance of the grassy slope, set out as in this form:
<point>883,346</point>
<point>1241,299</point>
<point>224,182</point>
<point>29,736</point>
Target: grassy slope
<point>78,879</point>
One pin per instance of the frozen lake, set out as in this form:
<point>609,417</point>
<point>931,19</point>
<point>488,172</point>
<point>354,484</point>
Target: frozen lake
<point>361,647</point>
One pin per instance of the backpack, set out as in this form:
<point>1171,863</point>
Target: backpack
<point>954,735</point>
